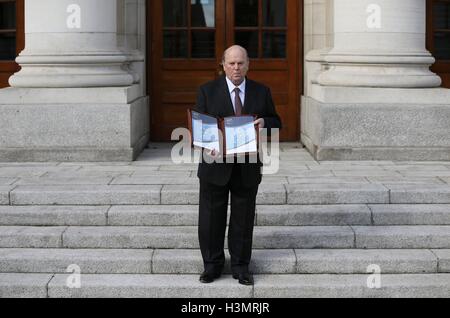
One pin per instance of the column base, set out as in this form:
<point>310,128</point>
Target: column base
<point>84,124</point>
<point>71,154</point>
<point>342,124</point>
<point>384,70</point>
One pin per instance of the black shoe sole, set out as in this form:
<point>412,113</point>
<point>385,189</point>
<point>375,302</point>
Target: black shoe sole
<point>243,282</point>
<point>206,281</point>
<point>209,281</point>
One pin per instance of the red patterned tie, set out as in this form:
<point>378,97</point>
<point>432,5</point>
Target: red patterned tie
<point>237,102</point>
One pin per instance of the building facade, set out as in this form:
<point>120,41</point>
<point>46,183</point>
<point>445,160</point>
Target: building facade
<point>96,80</point>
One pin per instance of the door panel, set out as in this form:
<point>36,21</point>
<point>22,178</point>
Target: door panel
<point>187,36</point>
<point>438,37</point>
<point>11,37</point>
<point>188,40</point>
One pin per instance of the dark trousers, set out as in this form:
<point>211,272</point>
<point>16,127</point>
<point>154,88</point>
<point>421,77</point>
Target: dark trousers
<point>213,220</point>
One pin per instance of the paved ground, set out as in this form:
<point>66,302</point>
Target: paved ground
<point>155,166</point>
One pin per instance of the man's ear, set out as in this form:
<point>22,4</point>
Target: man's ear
<point>221,69</point>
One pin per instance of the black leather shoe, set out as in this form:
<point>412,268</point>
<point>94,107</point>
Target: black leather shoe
<point>244,278</point>
<point>207,278</point>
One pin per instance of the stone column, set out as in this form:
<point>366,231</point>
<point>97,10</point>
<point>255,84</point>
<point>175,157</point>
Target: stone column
<point>379,43</point>
<point>71,43</point>
<point>373,96</point>
<point>75,98</point>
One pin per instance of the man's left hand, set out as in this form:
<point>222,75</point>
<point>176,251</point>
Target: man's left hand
<point>260,123</point>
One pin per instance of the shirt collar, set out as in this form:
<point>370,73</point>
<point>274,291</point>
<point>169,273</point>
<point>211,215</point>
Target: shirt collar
<point>231,86</point>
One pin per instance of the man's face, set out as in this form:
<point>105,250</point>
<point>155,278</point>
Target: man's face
<point>236,66</point>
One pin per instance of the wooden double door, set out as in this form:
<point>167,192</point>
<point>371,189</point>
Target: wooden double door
<point>188,38</point>
<point>12,37</point>
<point>438,37</point>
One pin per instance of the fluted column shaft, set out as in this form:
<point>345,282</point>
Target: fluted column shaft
<point>379,43</point>
<point>71,43</point>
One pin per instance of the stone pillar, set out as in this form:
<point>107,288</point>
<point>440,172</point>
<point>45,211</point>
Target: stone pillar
<point>373,96</point>
<point>71,43</point>
<point>379,43</point>
<point>75,98</point>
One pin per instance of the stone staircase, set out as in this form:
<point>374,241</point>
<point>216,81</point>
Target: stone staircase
<point>132,232</point>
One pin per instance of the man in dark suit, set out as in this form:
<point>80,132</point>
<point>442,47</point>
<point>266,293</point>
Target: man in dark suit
<point>232,94</point>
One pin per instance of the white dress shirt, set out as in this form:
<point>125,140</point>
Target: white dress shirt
<point>232,87</point>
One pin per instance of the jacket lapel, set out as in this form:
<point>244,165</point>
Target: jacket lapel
<point>249,98</point>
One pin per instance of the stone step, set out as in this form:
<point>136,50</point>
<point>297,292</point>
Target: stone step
<point>51,215</point>
<point>187,237</point>
<point>188,286</point>
<point>187,215</point>
<point>4,194</point>
<point>348,193</point>
<point>269,194</point>
<point>410,214</point>
<point>24,285</point>
<point>352,286</point>
<point>302,261</point>
<point>85,195</point>
<point>177,215</point>
<point>351,214</point>
<point>265,237</point>
<point>181,261</point>
<point>402,236</point>
<point>31,237</point>
<point>293,215</point>
<point>90,261</point>
<point>423,194</point>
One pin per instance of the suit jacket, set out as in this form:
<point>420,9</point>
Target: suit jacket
<point>214,99</point>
